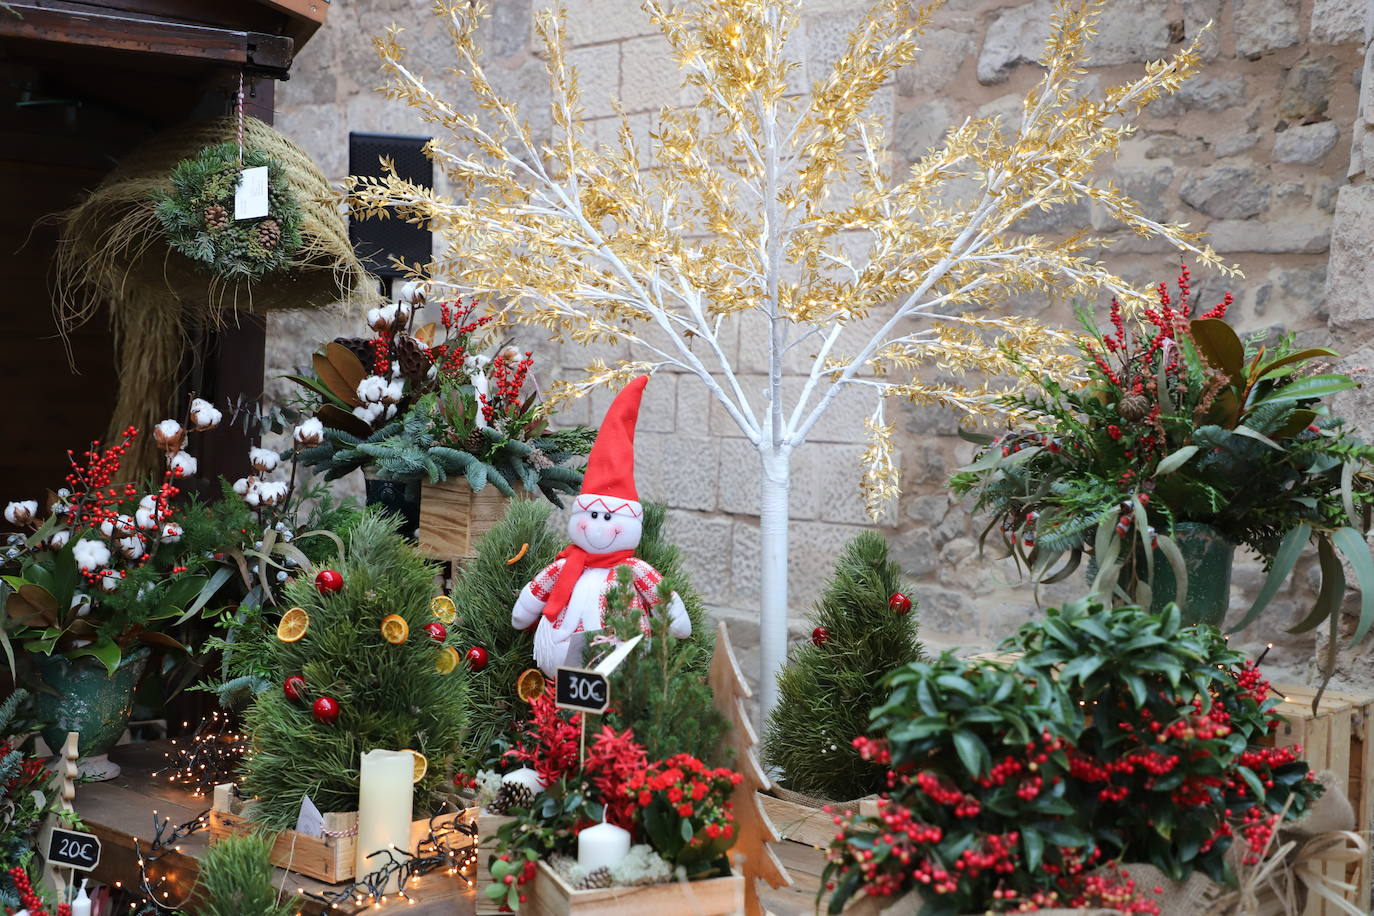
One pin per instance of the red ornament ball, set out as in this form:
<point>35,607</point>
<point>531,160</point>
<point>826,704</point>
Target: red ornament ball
<point>294,688</point>
<point>899,603</point>
<point>476,658</point>
<point>329,581</point>
<point>325,710</point>
<point>437,631</point>
<point>820,636</point>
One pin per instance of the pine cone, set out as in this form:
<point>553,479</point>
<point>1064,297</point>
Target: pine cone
<point>1133,407</point>
<point>216,217</point>
<point>476,442</point>
<point>359,347</point>
<point>511,796</point>
<point>413,357</point>
<point>595,879</point>
<point>539,459</point>
<point>269,233</point>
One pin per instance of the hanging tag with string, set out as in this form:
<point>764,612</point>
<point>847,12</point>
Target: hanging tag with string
<point>250,197</point>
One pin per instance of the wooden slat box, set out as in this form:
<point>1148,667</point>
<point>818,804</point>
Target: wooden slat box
<point>550,895</point>
<point>328,858</point>
<point>487,825</point>
<point>453,518</point>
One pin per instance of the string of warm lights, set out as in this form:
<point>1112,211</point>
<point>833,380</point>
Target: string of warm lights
<point>157,889</point>
<point>451,844</point>
<point>209,757</point>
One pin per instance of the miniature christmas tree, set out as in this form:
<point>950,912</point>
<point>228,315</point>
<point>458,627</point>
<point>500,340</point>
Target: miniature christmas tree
<point>864,628</point>
<point>236,879</point>
<point>361,666</point>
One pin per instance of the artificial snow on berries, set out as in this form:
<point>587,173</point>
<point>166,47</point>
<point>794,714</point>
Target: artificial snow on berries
<point>169,435</point>
<point>21,512</point>
<point>899,603</point>
<point>309,434</point>
<point>182,465</point>
<point>329,581</point>
<point>325,710</point>
<point>263,460</point>
<point>90,554</point>
<point>204,415</point>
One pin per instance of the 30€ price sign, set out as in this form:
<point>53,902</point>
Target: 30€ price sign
<point>73,849</point>
<point>577,688</point>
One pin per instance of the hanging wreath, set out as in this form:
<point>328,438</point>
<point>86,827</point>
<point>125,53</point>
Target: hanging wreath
<point>198,214</point>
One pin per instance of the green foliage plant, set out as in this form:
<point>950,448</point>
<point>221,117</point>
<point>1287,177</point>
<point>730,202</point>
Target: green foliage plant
<point>236,879</point>
<point>390,696</point>
<point>1181,421</point>
<point>197,214</point>
<point>1117,736</point>
<point>835,678</point>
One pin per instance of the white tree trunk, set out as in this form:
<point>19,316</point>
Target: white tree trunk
<point>774,483</point>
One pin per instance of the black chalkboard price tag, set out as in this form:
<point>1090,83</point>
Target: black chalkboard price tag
<point>577,688</point>
<point>73,849</point>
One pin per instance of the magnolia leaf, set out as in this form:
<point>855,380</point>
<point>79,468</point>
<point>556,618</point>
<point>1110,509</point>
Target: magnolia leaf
<point>1243,430</point>
<point>334,380</point>
<point>1353,546</point>
<point>1284,560</point>
<point>104,650</point>
<point>1221,347</point>
<point>1299,357</point>
<point>161,640</point>
<point>1175,460</point>
<point>1298,420</point>
<point>347,364</point>
<point>338,418</point>
<point>1310,388</point>
<point>32,606</point>
<point>1169,547</point>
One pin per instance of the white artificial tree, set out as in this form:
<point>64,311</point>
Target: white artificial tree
<point>759,198</point>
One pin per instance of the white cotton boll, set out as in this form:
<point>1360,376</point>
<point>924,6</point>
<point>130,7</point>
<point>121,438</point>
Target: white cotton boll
<point>146,519</point>
<point>21,512</point>
<point>171,533</point>
<point>107,528</point>
<point>390,411</point>
<point>272,492</point>
<point>125,524</point>
<point>376,320</point>
<point>169,435</point>
<point>183,464</point>
<point>109,581</point>
<point>148,502</point>
<point>82,603</point>
<point>242,484</point>
<point>263,459</point>
<point>402,314</point>
<point>371,389</point>
<point>59,539</point>
<point>90,554</point>
<point>368,413</point>
<point>204,415</point>
<point>393,392</point>
<point>131,547</point>
<point>309,434</point>
<point>413,292</point>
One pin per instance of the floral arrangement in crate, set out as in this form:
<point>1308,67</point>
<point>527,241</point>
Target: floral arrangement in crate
<point>1119,736</point>
<point>425,403</point>
<point>103,566</point>
<point>1180,422</point>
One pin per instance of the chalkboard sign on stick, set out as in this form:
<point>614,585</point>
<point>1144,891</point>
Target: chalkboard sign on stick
<point>577,688</point>
<point>73,849</point>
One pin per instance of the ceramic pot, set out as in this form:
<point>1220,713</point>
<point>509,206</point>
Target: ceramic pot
<point>89,702</point>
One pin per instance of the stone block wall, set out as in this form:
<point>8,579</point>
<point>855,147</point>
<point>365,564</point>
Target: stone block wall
<point>1256,150</point>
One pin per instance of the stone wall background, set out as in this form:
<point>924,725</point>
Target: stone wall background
<point>1257,150</point>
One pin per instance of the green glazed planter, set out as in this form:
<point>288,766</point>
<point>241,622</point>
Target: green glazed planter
<point>1208,557</point>
<point>90,703</point>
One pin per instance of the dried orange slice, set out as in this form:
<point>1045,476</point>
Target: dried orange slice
<point>421,764</point>
<point>443,609</point>
<point>448,660</point>
<point>395,630</point>
<point>530,685</point>
<point>524,549</point>
<point>293,625</point>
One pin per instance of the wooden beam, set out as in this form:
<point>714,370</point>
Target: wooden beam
<point>268,54</point>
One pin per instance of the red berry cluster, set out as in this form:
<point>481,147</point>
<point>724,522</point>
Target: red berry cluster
<point>507,378</point>
<point>29,899</point>
<point>550,742</point>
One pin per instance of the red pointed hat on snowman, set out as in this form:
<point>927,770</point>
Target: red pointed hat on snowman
<point>610,475</point>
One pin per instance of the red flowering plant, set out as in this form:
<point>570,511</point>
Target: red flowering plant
<point>1118,736</point>
<point>102,565</point>
<point>1180,422</point>
<point>685,811</point>
<point>427,403</point>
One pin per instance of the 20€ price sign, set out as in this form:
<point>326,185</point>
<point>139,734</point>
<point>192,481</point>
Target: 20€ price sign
<point>577,688</point>
<point>73,849</point>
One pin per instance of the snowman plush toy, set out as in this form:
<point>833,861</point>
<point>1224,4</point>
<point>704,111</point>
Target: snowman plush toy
<point>568,598</point>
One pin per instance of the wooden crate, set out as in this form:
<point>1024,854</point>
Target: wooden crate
<point>550,895</point>
<point>487,825</point>
<point>328,858</point>
<point>453,518</point>
<point>801,823</point>
<point>1338,736</point>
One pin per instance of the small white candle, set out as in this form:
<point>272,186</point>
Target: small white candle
<point>81,903</point>
<point>602,846</point>
<point>385,795</point>
<point>524,777</point>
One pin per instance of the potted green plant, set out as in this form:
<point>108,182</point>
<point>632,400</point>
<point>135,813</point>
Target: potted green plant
<point>415,408</point>
<point>1183,442</point>
<point>94,586</point>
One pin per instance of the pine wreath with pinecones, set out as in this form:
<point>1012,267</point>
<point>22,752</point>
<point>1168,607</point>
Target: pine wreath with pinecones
<point>198,215</point>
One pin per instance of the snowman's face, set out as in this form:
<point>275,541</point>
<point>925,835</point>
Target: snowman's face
<point>604,524</point>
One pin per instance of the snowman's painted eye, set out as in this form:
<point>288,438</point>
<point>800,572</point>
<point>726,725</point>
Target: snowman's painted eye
<point>594,515</point>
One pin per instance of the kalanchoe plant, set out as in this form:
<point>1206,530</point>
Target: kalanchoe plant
<point>1117,736</point>
<point>423,403</point>
<point>1180,421</point>
<point>105,569</point>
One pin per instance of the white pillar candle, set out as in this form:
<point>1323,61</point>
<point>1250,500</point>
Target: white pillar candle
<point>385,794</point>
<point>602,846</point>
<point>524,777</point>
